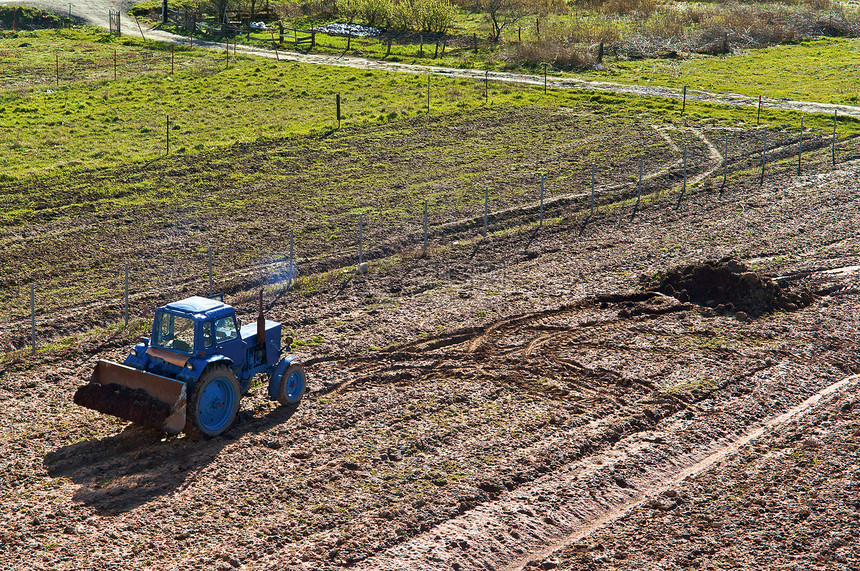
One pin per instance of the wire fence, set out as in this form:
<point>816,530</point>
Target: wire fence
<point>745,158</point>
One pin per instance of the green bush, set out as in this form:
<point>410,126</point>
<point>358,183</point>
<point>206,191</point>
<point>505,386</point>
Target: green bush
<point>26,18</point>
<point>435,16</point>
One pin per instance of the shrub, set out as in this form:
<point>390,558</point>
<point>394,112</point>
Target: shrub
<point>435,16</point>
<point>374,12</point>
<point>561,55</point>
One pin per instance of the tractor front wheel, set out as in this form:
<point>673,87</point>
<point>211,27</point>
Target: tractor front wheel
<point>215,401</point>
<point>292,385</point>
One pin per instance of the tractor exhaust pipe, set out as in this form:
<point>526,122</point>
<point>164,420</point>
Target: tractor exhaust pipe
<point>261,323</point>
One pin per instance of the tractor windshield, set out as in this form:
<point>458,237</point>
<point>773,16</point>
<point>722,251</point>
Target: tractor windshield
<point>174,332</point>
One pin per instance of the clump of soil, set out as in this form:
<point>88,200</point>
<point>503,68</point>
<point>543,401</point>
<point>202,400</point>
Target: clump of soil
<point>131,404</point>
<point>729,286</point>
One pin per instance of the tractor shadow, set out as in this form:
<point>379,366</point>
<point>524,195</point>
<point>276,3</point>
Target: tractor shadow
<point>119,473</point>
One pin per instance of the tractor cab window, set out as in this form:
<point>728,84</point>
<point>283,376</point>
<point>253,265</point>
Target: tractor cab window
<point>174,332</point>
<point>225,329</point>
<point>208,339</point>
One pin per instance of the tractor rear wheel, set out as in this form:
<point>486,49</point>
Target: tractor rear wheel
<point>292,385</point>
<point>215,402</point>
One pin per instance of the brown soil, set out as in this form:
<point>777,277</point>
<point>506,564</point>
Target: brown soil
<point>474,407</point>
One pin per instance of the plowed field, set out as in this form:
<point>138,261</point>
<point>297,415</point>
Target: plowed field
<point>525,399</point>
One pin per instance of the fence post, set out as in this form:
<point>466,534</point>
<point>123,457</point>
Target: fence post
<point>758,117</point>
<point>425,228</point>
<point>486,208</point>
<point>763,156</point>
<point>33,313</point>
<point>290,275</point>
<point>800,151</point>
<point>725,164</point>
<point>542,178</point>
<point>210,270</point>
<point>638,189</point>
<point>168,135</point>
<point>592,190</point>
<point>126,295</point>
<point>360,238</point>
<point>833,143</point>
<point>338,110</point>
<point>684,187</point>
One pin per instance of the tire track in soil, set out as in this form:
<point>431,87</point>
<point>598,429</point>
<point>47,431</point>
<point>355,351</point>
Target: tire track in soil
<point>508,534</point>
<point>699,467</point>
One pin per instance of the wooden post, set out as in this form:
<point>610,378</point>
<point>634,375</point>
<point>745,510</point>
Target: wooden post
<point>15,19</point>
<point>520,35</point>
<point>833,142</point>
<point>684,187</point>
<point>425,228</point>
<point>475,41</point>
<point>592,190</point>
<point>684,101</point>
<point>800,150</point>
<point>290,275</point>
<point>126,295</point>
<point>763,156</point>
<point>486,208</point>
<point>725,164</point>
<point>542,178</point>
<point>436,53</point>
<point>338,110</point>
<point>33,314</point>
<point>168,135</point>
<point>638,190</point>
<point>274,45</point>
<point>544,77</point>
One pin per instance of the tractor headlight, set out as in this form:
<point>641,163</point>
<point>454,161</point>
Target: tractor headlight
<point>189,365</point>
<point>134,352</point>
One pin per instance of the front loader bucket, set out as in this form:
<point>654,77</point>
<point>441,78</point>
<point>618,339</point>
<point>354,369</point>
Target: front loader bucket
<point>138,396</point>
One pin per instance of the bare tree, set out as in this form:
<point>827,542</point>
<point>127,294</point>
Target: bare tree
<point>503,13</point>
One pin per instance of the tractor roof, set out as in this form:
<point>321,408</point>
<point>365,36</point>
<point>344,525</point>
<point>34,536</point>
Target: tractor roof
<point>199,305</point>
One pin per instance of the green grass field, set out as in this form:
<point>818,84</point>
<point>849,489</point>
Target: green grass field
<point>61,107</point>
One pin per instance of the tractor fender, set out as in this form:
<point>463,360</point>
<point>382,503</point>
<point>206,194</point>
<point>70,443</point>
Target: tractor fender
<point>278,374</point>
<point>199,364</point>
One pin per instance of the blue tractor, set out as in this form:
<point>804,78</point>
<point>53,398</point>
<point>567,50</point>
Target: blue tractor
<point>192,372</point>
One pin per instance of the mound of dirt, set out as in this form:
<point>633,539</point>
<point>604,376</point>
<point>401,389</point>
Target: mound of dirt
<point>729,286</point>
